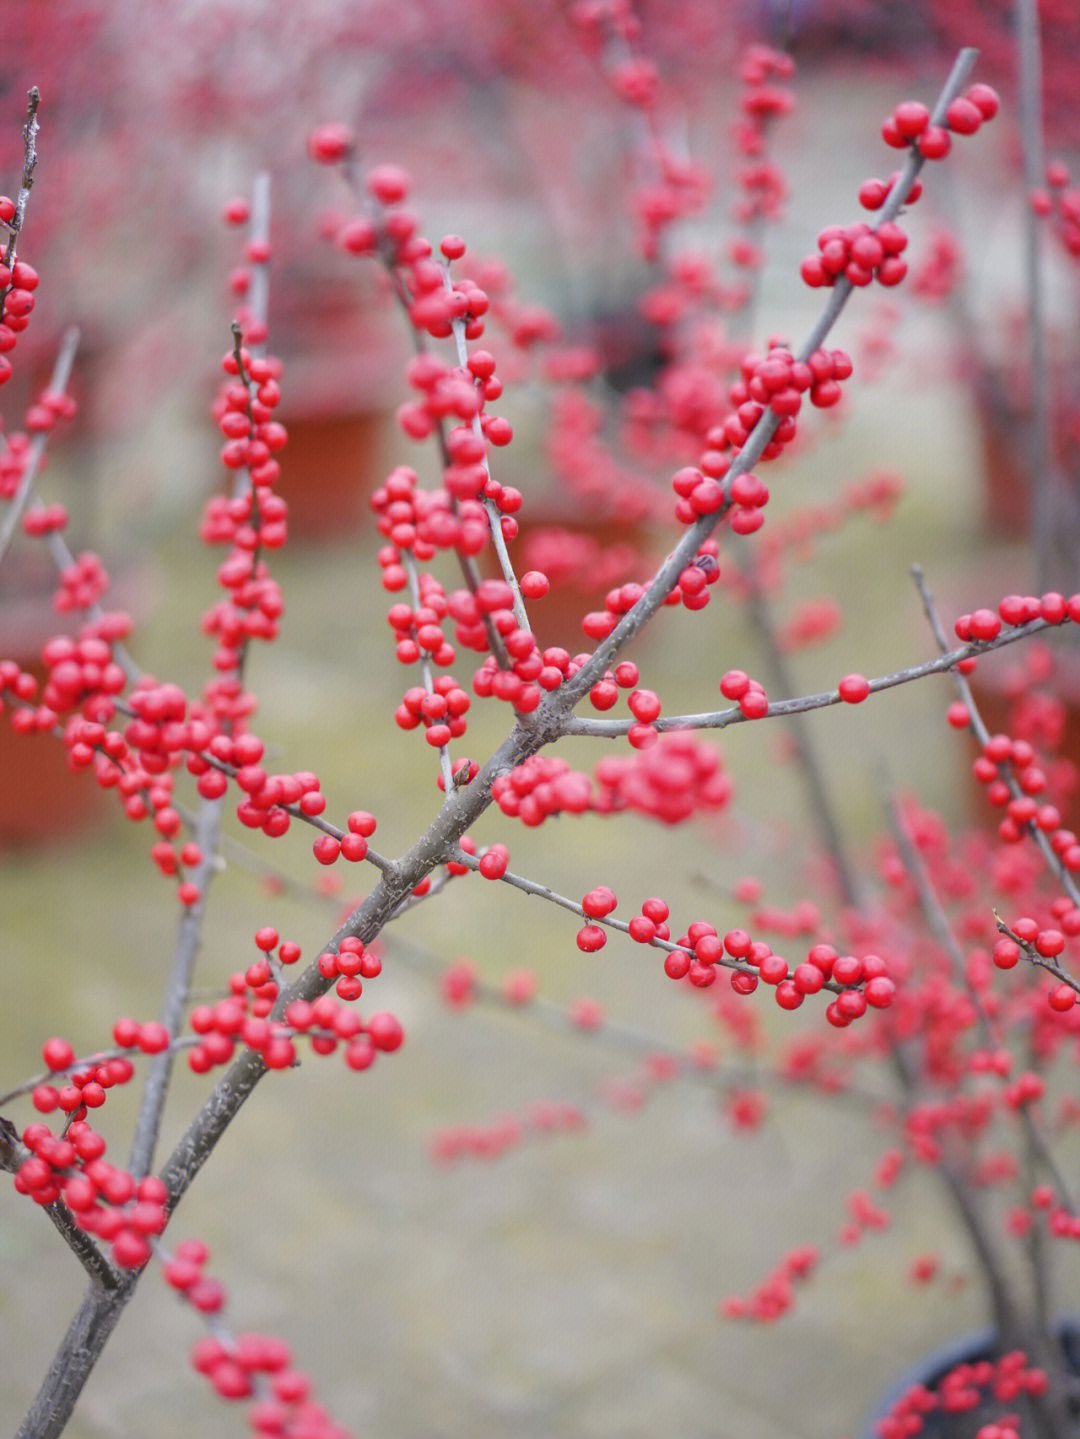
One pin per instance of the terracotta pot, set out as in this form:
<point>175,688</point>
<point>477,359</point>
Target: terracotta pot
<point>329,468</point>
<point>341,386</point>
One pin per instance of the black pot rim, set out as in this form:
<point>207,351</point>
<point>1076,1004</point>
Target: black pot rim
<point>981,1344</point>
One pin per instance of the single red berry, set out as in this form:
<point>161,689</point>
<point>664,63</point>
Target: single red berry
<point>1005,953</point>
<point>599,902</point>
<point>493,861</point>
<point>853,689</point>
<point>330,143</point>
<point>534,584</point>
<point>910,118</point>
<point>754,704</point>
<point>590,938</point>
<point>326,849</point>
<point>57,1053</point>
<point>963,116</point>
<point>935,143</point>
<point>385,1032</point>
<point>389,184</point>
<point>986,99</point>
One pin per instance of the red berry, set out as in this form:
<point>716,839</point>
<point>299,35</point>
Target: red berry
<point>57,1053</point>
<point>599,902</point>
<point>385,1032</point>
<point>590,938</point>
<point>910,119</point>
<point>986,99</point>
<point>963,116</point>
<point>326,849</point>
<point>330,143</point>
<point>853,689</point>
<point>389,184</point>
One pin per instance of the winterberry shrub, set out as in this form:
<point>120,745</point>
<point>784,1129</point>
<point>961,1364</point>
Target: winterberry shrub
<point>934,968</point>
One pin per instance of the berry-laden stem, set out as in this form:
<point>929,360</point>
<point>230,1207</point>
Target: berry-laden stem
<point>207,826</point>
<point>802,704</point>
<point>58,383</point>
<point>982,734</point>
<point>101,1305</point>
<point>551,715</point>
<point>464,806</point>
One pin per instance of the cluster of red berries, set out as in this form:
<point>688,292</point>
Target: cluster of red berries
<point>13,460</point>
<point>863,982</point>
<point>269,798</point>
<point>244,412</point>
<point>434,301</point>
<point>81,584</point>
<point>543,785</point>
<point>1061,203</point>
<point>941,269</point>
<point>252,1366</point>
<point>87,1083</point>
<point>536,671</point>
<point>1024,809</point>
<point>1043,942</point>
<point>677,776</point>
<point>51,406</point>
<point>508,1132</point>
<point>80,669</point>
<point>674,777</point>
<point>859,254</point>
<point>441,710</point>
<point>269,794</point>
<point>776,382</point>
<point>243,1015</point>
<point>449,394</point>
<point>255,519</point>
<point>182,1270</point>
<point>962,1390</point>
<point>909,124</point>
<point>17,285</point>
<point>763,100</point>
<point>104,1201</point>
<point>804,917</point>
<point>984,624</point>
<point>775,1295</point>
<point>254,605</point>
<point>749,694</point>
<point>679,187</point>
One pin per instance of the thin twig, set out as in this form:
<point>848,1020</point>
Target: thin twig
<point>721,719</point>
<point>978,728</point>
<point>58,383</point>
<point>30,133</point>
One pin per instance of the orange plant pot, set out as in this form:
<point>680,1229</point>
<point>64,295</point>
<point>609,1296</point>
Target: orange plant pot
<point>329,468</point>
